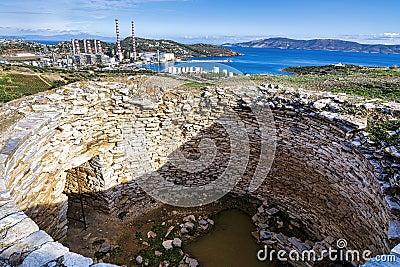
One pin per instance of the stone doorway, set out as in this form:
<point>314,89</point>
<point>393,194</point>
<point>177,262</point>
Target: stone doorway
<point>83,187</point>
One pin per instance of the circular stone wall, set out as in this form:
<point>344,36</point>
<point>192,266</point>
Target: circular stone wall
<point>318,176</point>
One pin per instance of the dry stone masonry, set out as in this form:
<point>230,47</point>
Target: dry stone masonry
<point>326,175</point>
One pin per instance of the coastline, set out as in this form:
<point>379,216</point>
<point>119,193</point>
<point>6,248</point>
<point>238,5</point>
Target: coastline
<point>261,61</point>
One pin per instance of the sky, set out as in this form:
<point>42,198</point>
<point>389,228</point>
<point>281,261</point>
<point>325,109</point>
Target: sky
<point>212,21</point>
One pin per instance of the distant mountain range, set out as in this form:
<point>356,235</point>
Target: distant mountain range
<point>320,44</point>
<point>59,37</point>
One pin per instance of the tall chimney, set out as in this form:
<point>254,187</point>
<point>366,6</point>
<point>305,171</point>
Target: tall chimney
<point>73,46</point>
<point>119,53</point>
<point>85,45</point>
<point>96,51</point>
<point>133,40</point>
<point>78,49</point>
<point>89,47</point>
<point>99,47</point>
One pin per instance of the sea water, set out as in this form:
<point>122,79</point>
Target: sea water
<point>273,60</point>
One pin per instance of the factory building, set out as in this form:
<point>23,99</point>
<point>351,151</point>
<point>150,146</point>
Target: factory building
<point>166,57</point>
<point>90,56</point>
<point>184,70</point>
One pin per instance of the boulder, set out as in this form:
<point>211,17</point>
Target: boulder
<point>191,262</point>
<point>188,225</point>
<point>104,248</point>
<point>210,221</point>
<point>151,234</point>
<point>157,253</point>
<point>189,218</point>
<point>264,235</point>
<point>184,231</point>
<point>163,264</point>
<point>177,242</point>
<point>167,244</point>
<point>139,259</point>
<point>203,222</point>
<point>320,104</point>
<point>75,260</point>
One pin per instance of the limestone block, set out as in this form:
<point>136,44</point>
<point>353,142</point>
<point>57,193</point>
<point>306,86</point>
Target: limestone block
<point>10,146</point>
<point>75,260</point>
<point>322,103</point>
<point>396,251</point>
<point>7,209</point>
<point>104,265</point>
<point>43,108</point>
<point>394,230</point>
<point>45,254</point>
<point>11,220</point>
<point>28,244</point>
<point>18,231</point>
<point>79,111</point>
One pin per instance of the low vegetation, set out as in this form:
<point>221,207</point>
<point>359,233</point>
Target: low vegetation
<point>387,131</point>
<point>197,85</point>
<point>15,85</point>
<point>20,81</point>
<point>368,82</point>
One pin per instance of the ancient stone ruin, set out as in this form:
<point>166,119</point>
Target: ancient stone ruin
<point>326,173</point>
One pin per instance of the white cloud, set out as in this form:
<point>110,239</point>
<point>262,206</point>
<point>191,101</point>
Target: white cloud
<point>391,34</point>
<point>80,15</point>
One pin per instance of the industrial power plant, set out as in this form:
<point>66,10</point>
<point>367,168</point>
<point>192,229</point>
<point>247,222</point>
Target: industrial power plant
<point>96,56</point>
<point>93,54</point>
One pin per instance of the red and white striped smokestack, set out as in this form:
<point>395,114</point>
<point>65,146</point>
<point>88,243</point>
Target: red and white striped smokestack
<point>78,49</point>
<point>119,52</point>
<point>73,46</point>
<point>99,47</point>
<point>133,40</point>
<point>85,45</point>
<point>89,47</point>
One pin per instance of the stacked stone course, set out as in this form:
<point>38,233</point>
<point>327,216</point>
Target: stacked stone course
<point>326,173</point>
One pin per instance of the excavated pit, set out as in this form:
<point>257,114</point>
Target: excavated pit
<point>318,177</point>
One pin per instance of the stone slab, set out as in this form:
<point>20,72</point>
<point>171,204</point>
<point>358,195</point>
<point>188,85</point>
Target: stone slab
<point>394,230</point>
<point>75,260</point>
<point>10,146</point>
<point>47,253</point>
<point>28,244</point>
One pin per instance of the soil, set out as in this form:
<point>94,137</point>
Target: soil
<point>124,231</point>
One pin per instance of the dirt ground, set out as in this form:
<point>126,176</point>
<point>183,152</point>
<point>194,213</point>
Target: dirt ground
<point>123,234</point>
<point>104,227</point>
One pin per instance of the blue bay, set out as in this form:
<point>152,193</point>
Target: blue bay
<point>272,61</point>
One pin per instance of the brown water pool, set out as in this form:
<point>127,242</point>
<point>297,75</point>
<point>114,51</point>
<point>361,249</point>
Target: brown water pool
<point>229,244</point>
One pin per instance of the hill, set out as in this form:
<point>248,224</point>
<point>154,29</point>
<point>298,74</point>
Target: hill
<point>180,50</point>
<point>143,45</point>
<point>321,44</point>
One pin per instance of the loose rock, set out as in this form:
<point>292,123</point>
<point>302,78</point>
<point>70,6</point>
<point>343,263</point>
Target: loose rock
<point>139,259</point>
<point>167,244</point>
<point>177,242</point>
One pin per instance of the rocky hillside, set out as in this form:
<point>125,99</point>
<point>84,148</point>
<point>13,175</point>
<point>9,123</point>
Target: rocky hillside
<point>180,50</point>
<point>150,45</point>
<point>322,44</point>
<point>9,47</point>
<point>143,45</point>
